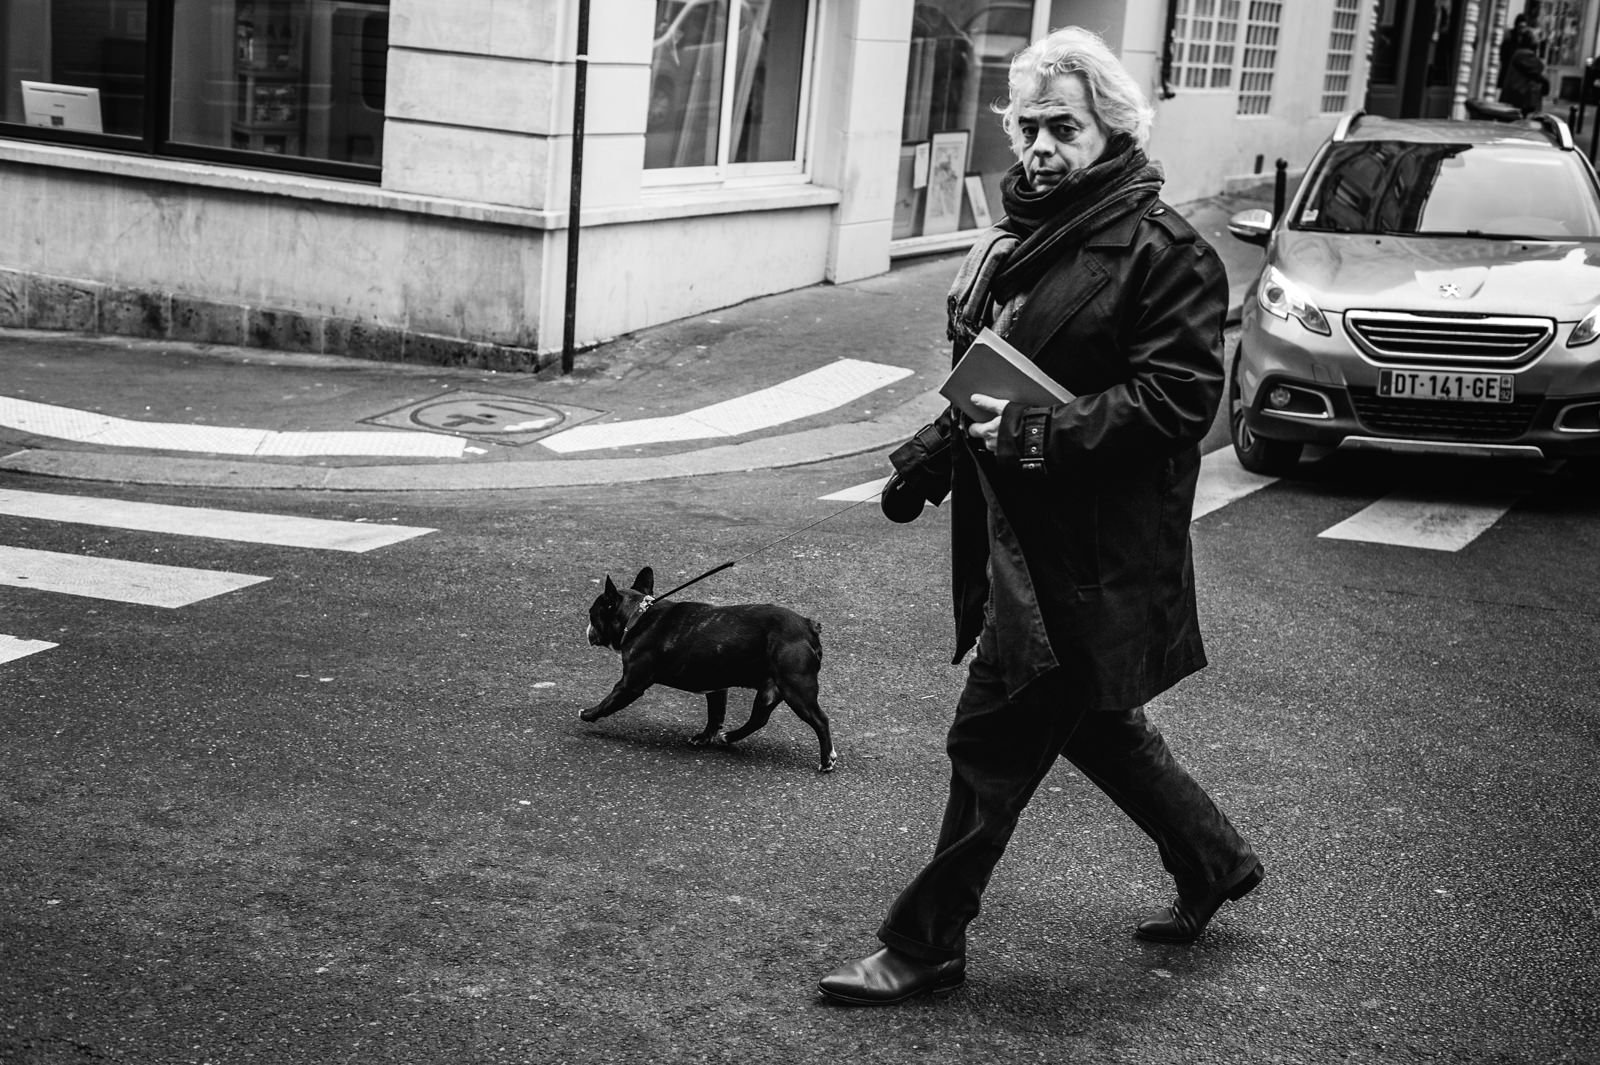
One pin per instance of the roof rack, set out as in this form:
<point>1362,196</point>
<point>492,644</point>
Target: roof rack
<point>1555,128</point>
<point>1346,124</point>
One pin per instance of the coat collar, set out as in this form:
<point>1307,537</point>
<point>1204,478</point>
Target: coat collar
<point>1120,233</point>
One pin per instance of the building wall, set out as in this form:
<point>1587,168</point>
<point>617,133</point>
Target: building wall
<point>1204,145</point>
<point>464,245</point>
<point>200,253</point>
<point>460,255</point>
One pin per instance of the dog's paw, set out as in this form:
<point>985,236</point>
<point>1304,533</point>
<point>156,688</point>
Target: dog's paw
<point>700,739</point>
<point>592,714</point>
<point>833,760</point>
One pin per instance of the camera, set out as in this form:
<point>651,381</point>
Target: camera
<point>921,471</point>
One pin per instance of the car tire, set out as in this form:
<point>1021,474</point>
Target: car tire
<point>1271,458</point>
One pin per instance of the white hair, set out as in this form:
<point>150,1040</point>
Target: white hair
<point>1114,97</point>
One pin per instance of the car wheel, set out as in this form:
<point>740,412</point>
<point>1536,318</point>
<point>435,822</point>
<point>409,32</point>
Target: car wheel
<point>1272,458</point>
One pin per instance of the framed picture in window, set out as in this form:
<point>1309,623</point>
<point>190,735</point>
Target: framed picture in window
<point>978,201</point>
<point>907,195</point>
<point>947,166</point>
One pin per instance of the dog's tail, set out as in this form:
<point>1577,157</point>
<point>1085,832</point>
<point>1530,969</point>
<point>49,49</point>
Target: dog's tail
<point>814,637</point>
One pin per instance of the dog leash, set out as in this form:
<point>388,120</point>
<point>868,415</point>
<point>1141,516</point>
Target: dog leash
<point>763,547</point>
<point>650,600</point>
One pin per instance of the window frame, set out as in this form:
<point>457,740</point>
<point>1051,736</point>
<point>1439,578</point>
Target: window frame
<point>1258,82</point>
<point>155,139</point>
<point>1237,76</point>
<point>1182,67</point>
<point>726,174</point>
<point>1342,9</point>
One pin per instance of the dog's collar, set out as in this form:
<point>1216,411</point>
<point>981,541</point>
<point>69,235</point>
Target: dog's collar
<point>627,626</point>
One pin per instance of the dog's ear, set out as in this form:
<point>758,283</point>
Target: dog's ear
<point>645,582</point>
<point>611,589</point>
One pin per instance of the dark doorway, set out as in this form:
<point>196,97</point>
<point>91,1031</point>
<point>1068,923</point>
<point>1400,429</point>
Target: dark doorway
<point>1416,46</point>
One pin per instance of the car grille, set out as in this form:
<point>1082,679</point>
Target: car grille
<point>1431,419</point>
<point>1423,339</point>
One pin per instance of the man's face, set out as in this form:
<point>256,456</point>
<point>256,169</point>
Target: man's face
<point>1059,132</point>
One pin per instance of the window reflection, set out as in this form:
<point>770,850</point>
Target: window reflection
<point>284,77</point>
<point>84,61</point>
<point>1389,187</point>
<point>695,97</point>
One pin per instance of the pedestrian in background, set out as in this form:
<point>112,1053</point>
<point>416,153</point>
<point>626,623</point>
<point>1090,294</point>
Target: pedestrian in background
<point>1508,44</point>
<point>1525,85</point>
<point>1071,559</point>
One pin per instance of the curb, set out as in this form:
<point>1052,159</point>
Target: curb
<point>791,449</point>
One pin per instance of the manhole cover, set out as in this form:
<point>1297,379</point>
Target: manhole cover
<point>489,416</point>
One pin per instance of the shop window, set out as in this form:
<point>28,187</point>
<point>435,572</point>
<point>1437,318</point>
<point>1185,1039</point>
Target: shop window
<point>1557,27</point>
<point>290,84</point>
<point>728,85</point>
<point>953,148</point>
<point>1341,56</point>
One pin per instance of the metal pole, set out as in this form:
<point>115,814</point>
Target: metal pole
<point>580,87</point>
<point>1594,136</point>
<point>1280,189</point>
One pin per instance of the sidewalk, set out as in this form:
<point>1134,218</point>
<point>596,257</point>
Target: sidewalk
<point>800,377</point>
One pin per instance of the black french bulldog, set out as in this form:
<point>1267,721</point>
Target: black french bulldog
<point>697,647</point>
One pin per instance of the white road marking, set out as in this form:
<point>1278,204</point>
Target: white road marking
<point>278,529</point>
<point>88,427</point>
<point>811,393</point>
<point>1224,481</point>
<point>13,648</point>
<point>1431,524</point>
<point>114,579</point>
<point>870,490</point>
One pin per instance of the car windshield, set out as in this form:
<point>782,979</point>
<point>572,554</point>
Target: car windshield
<point>1503,190</point>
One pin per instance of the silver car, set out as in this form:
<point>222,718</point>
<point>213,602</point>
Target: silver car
<point>1433,286</point>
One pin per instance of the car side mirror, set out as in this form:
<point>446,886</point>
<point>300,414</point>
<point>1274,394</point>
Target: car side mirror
<point>1253,226</point>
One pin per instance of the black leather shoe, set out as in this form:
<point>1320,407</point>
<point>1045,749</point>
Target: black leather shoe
<point>1185,919</point>
<point>887,977</point>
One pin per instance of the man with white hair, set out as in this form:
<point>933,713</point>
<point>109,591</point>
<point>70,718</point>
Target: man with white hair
<point>1071,563</point>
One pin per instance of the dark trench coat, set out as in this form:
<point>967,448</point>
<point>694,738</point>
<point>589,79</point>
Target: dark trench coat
<point>1097,577</point>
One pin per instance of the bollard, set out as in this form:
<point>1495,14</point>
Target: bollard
<point>1280,189</point>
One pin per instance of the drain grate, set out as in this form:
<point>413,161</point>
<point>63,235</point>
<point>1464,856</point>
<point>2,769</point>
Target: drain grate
<point>493,417</point>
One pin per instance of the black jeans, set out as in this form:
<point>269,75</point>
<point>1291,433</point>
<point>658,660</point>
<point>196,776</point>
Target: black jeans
<point>1000,750</point>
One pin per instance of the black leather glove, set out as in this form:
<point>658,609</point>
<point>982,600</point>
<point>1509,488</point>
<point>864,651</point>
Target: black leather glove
<point>921,471</point>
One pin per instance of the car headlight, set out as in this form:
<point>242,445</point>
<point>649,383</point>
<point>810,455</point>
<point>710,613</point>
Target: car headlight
<point>1586,330</point>
<point>1282,297</point>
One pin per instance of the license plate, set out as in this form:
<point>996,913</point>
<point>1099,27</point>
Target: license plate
<point>1451,387</point>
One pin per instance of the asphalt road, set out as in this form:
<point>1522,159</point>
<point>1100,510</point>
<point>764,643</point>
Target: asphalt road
<point>349,814</point>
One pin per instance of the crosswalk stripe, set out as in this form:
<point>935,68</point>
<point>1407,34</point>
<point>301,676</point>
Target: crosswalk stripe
<point>114,579</point>
<point>857,493</point>
<point>282,530</point>
<point>811,393</point>
<point>1431,524</point>
<point>1224,481</point>
<point>13,647</point>
<point>88,427</point>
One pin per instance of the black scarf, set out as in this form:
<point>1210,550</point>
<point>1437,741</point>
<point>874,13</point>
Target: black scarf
<point>1083,202</point>
<point>1040,224</point>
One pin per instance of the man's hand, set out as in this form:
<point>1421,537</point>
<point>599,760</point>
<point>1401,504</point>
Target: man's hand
<point>988,432</point>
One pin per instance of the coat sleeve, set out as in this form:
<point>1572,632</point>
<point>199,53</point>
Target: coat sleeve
<point>1173,351</point>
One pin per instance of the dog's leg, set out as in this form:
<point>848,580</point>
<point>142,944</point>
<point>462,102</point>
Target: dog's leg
<point>716,713</point>
<point>619,696</point>
<point>801,695</point>
<point>760,712</point>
